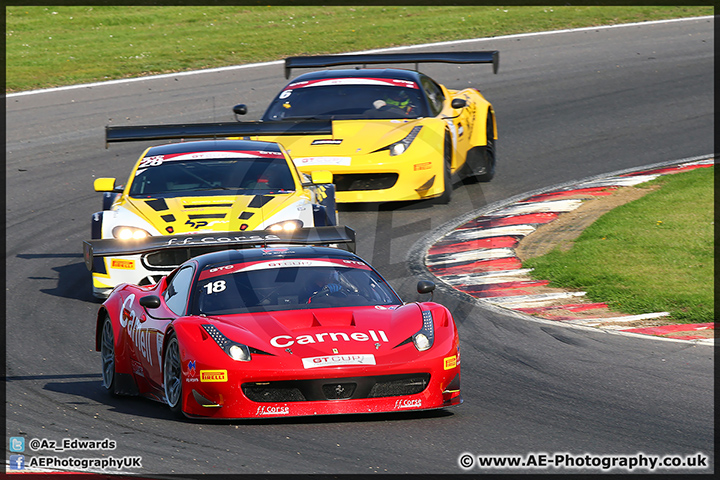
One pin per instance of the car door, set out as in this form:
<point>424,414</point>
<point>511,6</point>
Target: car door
<point>172,305</point>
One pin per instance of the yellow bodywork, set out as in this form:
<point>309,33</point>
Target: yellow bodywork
<point>360,147</point>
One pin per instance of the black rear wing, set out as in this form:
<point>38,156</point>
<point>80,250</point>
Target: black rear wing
<point>129,133</point>
<point>381,58</point>
<point>195,244</point>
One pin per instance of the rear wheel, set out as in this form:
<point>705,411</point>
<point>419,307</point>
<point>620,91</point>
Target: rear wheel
<point>447,175</point>
<point>172,375</point>
<point>107,354</point>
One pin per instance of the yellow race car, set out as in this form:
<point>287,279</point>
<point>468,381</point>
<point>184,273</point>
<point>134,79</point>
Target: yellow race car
<point>396,134</point>
<point>212,191</point>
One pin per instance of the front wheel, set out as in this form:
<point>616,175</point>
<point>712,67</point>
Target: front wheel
<point>480,162</point>
<point>107,354</point>
<point>447,175</point>
<point>172,375</point>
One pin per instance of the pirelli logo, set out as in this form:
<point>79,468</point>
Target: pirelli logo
<point>122,264</point>
<point>213,376</point>
<point>450,362</point>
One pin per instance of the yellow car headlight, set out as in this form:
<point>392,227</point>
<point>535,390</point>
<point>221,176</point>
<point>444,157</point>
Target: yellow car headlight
<point>129,233</point>
<point>399,148</point>
<point>286,226</point>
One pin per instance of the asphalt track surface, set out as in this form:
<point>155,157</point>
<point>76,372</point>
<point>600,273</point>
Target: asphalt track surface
<point>569,106</point>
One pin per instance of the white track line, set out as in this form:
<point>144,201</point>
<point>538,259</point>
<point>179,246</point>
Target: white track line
<point>407,47</point>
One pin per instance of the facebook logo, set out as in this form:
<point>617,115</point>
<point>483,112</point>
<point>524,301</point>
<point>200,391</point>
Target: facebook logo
<point>17,444</point>
<point>17,462</point>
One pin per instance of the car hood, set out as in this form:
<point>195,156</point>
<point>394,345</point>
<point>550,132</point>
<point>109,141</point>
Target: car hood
<point>324,331</point>
<point>349,138</point>
<point>178,215</point>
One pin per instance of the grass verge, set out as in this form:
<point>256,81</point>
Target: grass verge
<point>49,46</point>
<point>655,254</point>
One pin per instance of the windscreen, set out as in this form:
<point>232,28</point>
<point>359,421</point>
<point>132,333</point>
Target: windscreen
<point>348,99</point>
<point>220,172</point>
<point>289,285</point>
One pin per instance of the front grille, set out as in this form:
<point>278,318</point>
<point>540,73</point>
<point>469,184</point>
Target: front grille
<point>337,389</point>
<point>400,387</point>
<point>364,181</point>
<point>272,393</point>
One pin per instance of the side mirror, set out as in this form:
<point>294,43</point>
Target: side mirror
<point>321,176</point>
<point>240,109</point>
<point>104,184</point>
<point>458,103</point>
<point>151,301</point>
<point>425,286</point>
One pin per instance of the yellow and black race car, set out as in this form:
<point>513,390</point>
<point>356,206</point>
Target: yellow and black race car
<point>396,134</point>
<point>210,188</point>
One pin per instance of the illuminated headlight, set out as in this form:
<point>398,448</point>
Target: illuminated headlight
<point>421,342</point>
<point>286,226</point>
<point>425,337</point>
<point>397,149</point>
<point>129,233</point>
<point>236,351</point>
<point>400,147</point>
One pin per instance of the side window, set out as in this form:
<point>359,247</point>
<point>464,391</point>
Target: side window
<point>434,95</point>
<point>178,290</point>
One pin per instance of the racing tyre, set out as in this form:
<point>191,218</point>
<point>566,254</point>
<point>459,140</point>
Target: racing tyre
<point>447,175</point>
<point>480,163</point>
<point>172,375</point>
<point>107,354</point>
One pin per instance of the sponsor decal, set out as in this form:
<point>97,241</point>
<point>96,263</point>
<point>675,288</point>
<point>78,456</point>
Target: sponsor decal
<point>392,82</point>
<point>305,161</point>
<point>212,240</point>
<point>267,264</point>
<point>269,410</point>
<point>406,403</point>
<point>122,264</point>
<point>191,372</point>
<point>159,345</point>
<point>137,368</point>
<point>450,362</point>
<point>336,360</point>
<point>140,337</point>
<point>422,166</point>
<point>283,341</point>
<point>213,376</point>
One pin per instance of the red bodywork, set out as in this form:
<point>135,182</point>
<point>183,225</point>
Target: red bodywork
<point>339,346</point>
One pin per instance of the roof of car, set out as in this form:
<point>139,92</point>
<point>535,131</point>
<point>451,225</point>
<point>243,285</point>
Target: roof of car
<point>395,73</point>
<point>250,254</point>
<point>213,145</point>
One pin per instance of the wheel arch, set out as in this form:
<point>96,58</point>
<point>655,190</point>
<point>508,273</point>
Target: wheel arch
<point>480,133</point>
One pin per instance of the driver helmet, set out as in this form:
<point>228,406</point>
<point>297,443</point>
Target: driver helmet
<point>398,98</point>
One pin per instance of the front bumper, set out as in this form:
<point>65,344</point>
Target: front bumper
<point>262,395</point>
<point>379,177</point>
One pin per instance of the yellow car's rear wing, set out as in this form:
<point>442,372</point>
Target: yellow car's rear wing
<point>132,133</point>
<point>383,58</point>
<point>196,244</point>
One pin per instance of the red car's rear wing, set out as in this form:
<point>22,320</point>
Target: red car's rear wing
<point>382,58</point>
<point>130,133</point>
<point>197,244</point>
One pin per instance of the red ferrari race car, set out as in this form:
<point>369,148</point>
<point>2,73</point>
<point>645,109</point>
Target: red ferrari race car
<point>286,329</point>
